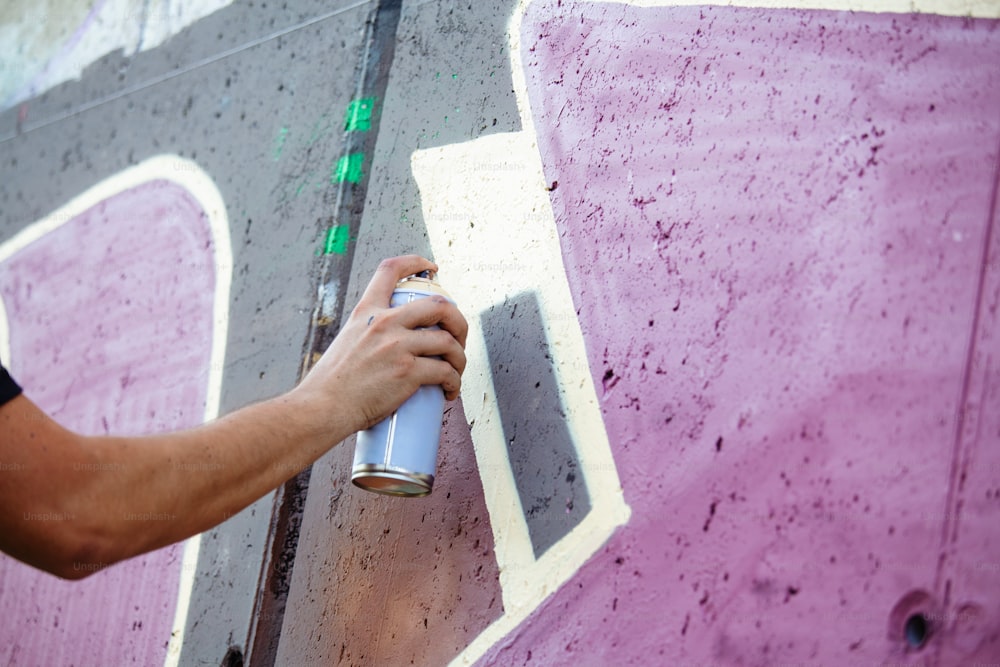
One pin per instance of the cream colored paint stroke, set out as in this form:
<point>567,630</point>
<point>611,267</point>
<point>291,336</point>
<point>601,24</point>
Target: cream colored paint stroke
<point>492,231</point>
<point>972,8</point>
<point>199,184</point>
<point>47,42</point>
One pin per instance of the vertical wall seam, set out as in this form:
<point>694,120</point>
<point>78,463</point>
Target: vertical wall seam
<point>959,459</point>
<point>264,633</point>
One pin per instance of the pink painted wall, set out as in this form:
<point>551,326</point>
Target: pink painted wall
<point>113,309</point>
<point>779,231</point>
<point>792,214</point>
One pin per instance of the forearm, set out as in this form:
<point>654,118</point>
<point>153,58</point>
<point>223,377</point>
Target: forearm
<point>71,504</point>
<point>169,487</point>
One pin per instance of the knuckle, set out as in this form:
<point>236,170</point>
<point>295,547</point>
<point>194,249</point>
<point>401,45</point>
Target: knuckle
<point>403,366</point>
<point>444,339</point>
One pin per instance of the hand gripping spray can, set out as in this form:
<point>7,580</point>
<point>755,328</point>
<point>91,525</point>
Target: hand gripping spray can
<point>398,456</point>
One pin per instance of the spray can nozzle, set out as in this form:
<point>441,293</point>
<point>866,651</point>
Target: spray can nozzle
<point>423,275</point>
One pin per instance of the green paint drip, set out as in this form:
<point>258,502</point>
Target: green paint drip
<point>336,240</point>
<point>279,142</point>
<point>359,115</point>
<point>348,169</point>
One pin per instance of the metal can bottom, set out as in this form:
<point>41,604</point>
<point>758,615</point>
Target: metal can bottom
<point>392,481</point>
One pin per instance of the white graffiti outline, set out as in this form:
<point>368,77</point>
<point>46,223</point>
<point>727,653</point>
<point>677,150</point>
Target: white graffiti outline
<point>523,229</point>
<point>200,185</point>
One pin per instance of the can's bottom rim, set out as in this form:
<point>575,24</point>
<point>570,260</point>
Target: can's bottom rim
<point>392,480</point>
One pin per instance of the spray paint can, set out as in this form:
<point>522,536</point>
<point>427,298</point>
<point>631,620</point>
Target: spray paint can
<point>398,456</point>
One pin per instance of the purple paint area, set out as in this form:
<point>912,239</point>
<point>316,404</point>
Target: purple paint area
<point>787,211</point>
<point>111,328</point>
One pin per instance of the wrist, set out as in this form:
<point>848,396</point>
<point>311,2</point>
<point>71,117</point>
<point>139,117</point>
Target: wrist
<point>323,415</point>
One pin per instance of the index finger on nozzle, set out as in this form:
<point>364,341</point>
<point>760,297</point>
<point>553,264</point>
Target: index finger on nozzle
<point>389,272</point>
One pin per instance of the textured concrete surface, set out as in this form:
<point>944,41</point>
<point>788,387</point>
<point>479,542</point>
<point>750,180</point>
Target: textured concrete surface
<point>371,583</point>
<point>782,331</point>
<point>732,281</point>
<point>264,121</point>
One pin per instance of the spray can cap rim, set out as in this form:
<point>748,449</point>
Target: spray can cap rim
<point>424,282</point>
<point>428,276</point>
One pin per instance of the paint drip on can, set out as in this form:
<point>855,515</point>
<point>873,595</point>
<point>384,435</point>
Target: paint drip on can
<point>398,456</point>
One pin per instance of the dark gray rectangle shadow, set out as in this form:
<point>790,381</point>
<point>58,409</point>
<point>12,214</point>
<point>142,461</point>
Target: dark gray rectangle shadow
<point>541,452</point>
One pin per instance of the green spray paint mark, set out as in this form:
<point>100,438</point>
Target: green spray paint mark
<point>348,168</point>
<point>279,142</point>
<point>359,115</point>
<point>336,240</point>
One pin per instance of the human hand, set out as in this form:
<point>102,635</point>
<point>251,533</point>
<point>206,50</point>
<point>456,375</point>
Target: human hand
<point>380,357</point>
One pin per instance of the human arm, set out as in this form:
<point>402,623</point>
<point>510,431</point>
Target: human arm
<point>75,504</point>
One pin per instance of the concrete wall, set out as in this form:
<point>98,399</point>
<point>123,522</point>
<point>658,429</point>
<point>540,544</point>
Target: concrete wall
<point>731,275</point>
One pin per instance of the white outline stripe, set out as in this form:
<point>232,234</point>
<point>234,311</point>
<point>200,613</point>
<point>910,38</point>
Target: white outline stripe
<point>200,185</point>
<point>521,233</point>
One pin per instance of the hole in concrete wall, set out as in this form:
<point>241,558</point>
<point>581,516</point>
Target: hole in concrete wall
<point>910,620</point>
<point>917,630</point>
<point>233,657</point>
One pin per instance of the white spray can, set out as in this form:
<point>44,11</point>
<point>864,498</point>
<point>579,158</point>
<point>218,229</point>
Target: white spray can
<point>398,456</point>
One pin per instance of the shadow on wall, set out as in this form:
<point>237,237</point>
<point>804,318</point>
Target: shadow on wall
<point>542,455</point>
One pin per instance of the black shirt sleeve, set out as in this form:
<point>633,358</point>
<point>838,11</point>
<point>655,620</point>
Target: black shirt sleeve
<point>8,388</point>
